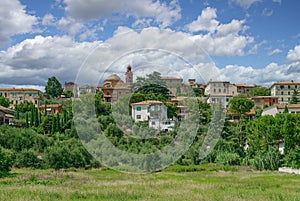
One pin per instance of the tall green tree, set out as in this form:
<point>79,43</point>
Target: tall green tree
<point>295,99</point>
<point>53,88</point>
<point>4,101</point>
<point>240,105</point>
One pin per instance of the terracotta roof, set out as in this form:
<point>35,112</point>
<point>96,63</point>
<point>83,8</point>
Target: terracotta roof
<point>281,106</point>
<point>245,85</point>
<point>18,89</point>
<point>148,102</point>
<point>264,97</point>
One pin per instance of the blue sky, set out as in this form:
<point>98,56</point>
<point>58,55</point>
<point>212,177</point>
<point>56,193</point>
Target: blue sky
<point>249,41</point>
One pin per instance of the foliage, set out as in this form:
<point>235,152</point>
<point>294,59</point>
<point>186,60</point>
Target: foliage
<point>292,159</point>
<point>260,91</point>
<point>227,158</point>
<point>295,99</point>
<point>69,94</point>
<point>271,160</point>
<point>27,158</point>
<point>53,88</point>
<point>6,160</point>
<point>240,104</point>
<point>4,101</point>
<point>23,107</point>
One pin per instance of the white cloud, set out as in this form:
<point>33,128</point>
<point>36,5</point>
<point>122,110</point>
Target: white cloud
<point>48,19</point>
<point>205,22</point>
<point>294,54</point>
<point>265,76</point>
<point>14,19</point>
<point>277,1</point>
<point>163,13</point>
<point>220,39</point>
<point>276,51</point>
<point>243,3</point>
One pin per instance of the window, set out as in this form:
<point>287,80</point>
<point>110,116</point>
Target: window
<point>220,90</point>
<point>138,108</point>
<point>14,94</point>
<point>138,116</point>
<point>289,87</point>
<point>289,99</point>
<point>296,86</point>
<point>30,94</point>
<point>281,87</point>
<point>156,107</point>
<point>289,93</point>
<point>227,99</point>
<point>36,102</point>
<point>215,90</point>
<point>148,108</point>
<point>224,90</point>
<point>281,99</point>
<point>16,102</point>
<point>21,98</point>
<point>282,93</point>
<point>153,123</point>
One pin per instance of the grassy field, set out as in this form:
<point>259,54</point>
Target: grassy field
<point>206,183</point>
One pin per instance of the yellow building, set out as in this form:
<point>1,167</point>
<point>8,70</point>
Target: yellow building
<point>19,95</point>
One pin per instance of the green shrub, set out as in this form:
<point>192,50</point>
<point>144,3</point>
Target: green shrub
<point>6,161</point>
<point>271,160</point>
<point>292,159</point>
<point>27,158</point>
<point>227,158</point>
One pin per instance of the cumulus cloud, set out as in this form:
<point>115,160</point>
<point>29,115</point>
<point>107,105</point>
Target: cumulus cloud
<point>205,22</point>
<point>163,13</point>
<point>265,76</point>
<point>294,54</point>
<point>219,39</point>
<point>243,3</point>
<point>32,61</point>
<point>14,19</point>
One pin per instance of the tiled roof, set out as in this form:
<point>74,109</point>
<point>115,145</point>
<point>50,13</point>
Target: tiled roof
<point>18,89</point>
<point>148,102</point>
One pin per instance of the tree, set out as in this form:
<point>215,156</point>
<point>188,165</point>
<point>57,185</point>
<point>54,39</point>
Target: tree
<point>53,88</point>
<point>4,101</point>
<point>260,91</point>
<point>295,99</point>
<point>24,107</point>
<point>240,105</point>
<point>69,94</point>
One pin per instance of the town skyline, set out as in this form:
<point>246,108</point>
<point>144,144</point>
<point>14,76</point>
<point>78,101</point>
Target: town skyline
<point>251,41</point>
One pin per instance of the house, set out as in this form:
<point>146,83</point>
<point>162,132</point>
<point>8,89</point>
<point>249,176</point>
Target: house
<point>19,95</point>
<point>264,101</point>
<point>51,109</point>
<point>220,92</point>
<point>236,117</point>
<point>86,89</point>
<point>71,86</point>
<point>6,115</point>
<point>284,91</point>
<point>174,84</point>
<point>245,89</point>
<point>155,112</point>
<point>275,109</point>
<point>114,88</point>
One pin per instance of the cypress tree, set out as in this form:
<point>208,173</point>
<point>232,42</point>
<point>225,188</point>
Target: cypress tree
<point>53,125</point>
<point>57,123</point>
<point>26,123</point>
<point>36,117</point>
<point>17,115</point>
<point>32,117</point>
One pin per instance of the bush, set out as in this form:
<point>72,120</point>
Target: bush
<point>292,159</point>
<point>271,160</point>
<point>27,158</point>
<point>6,160</point>
<point>227,158</point>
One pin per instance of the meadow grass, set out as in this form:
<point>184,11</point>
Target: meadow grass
<point>205,182</point>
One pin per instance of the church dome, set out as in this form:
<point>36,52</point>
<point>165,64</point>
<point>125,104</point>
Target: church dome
<point>114,77</point>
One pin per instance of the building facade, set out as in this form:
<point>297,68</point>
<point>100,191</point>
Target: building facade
<point>6,115</point>
<point>51,109</point>
<point>71,86</point>
<point>275,109</point>
<point>245,89</point>
<point>220,92</point>
<point>264,101</point>
<point>174,84</point>
<point>284,91</point>
<point>19,95</point>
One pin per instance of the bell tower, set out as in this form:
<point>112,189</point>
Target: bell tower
<point>129,75</point>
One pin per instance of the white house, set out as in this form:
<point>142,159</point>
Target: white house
<point>155,112</point>
<point>273,110</point>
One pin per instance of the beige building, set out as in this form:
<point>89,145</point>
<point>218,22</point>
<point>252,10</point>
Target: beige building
<point>52,109</point>
<point>19,95</point>
<point>284,90</point>
<point>245,89</point>
<point>114,88</point>
<point>220,92</point>
<point>174,84</point>
<point>275,109</point>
